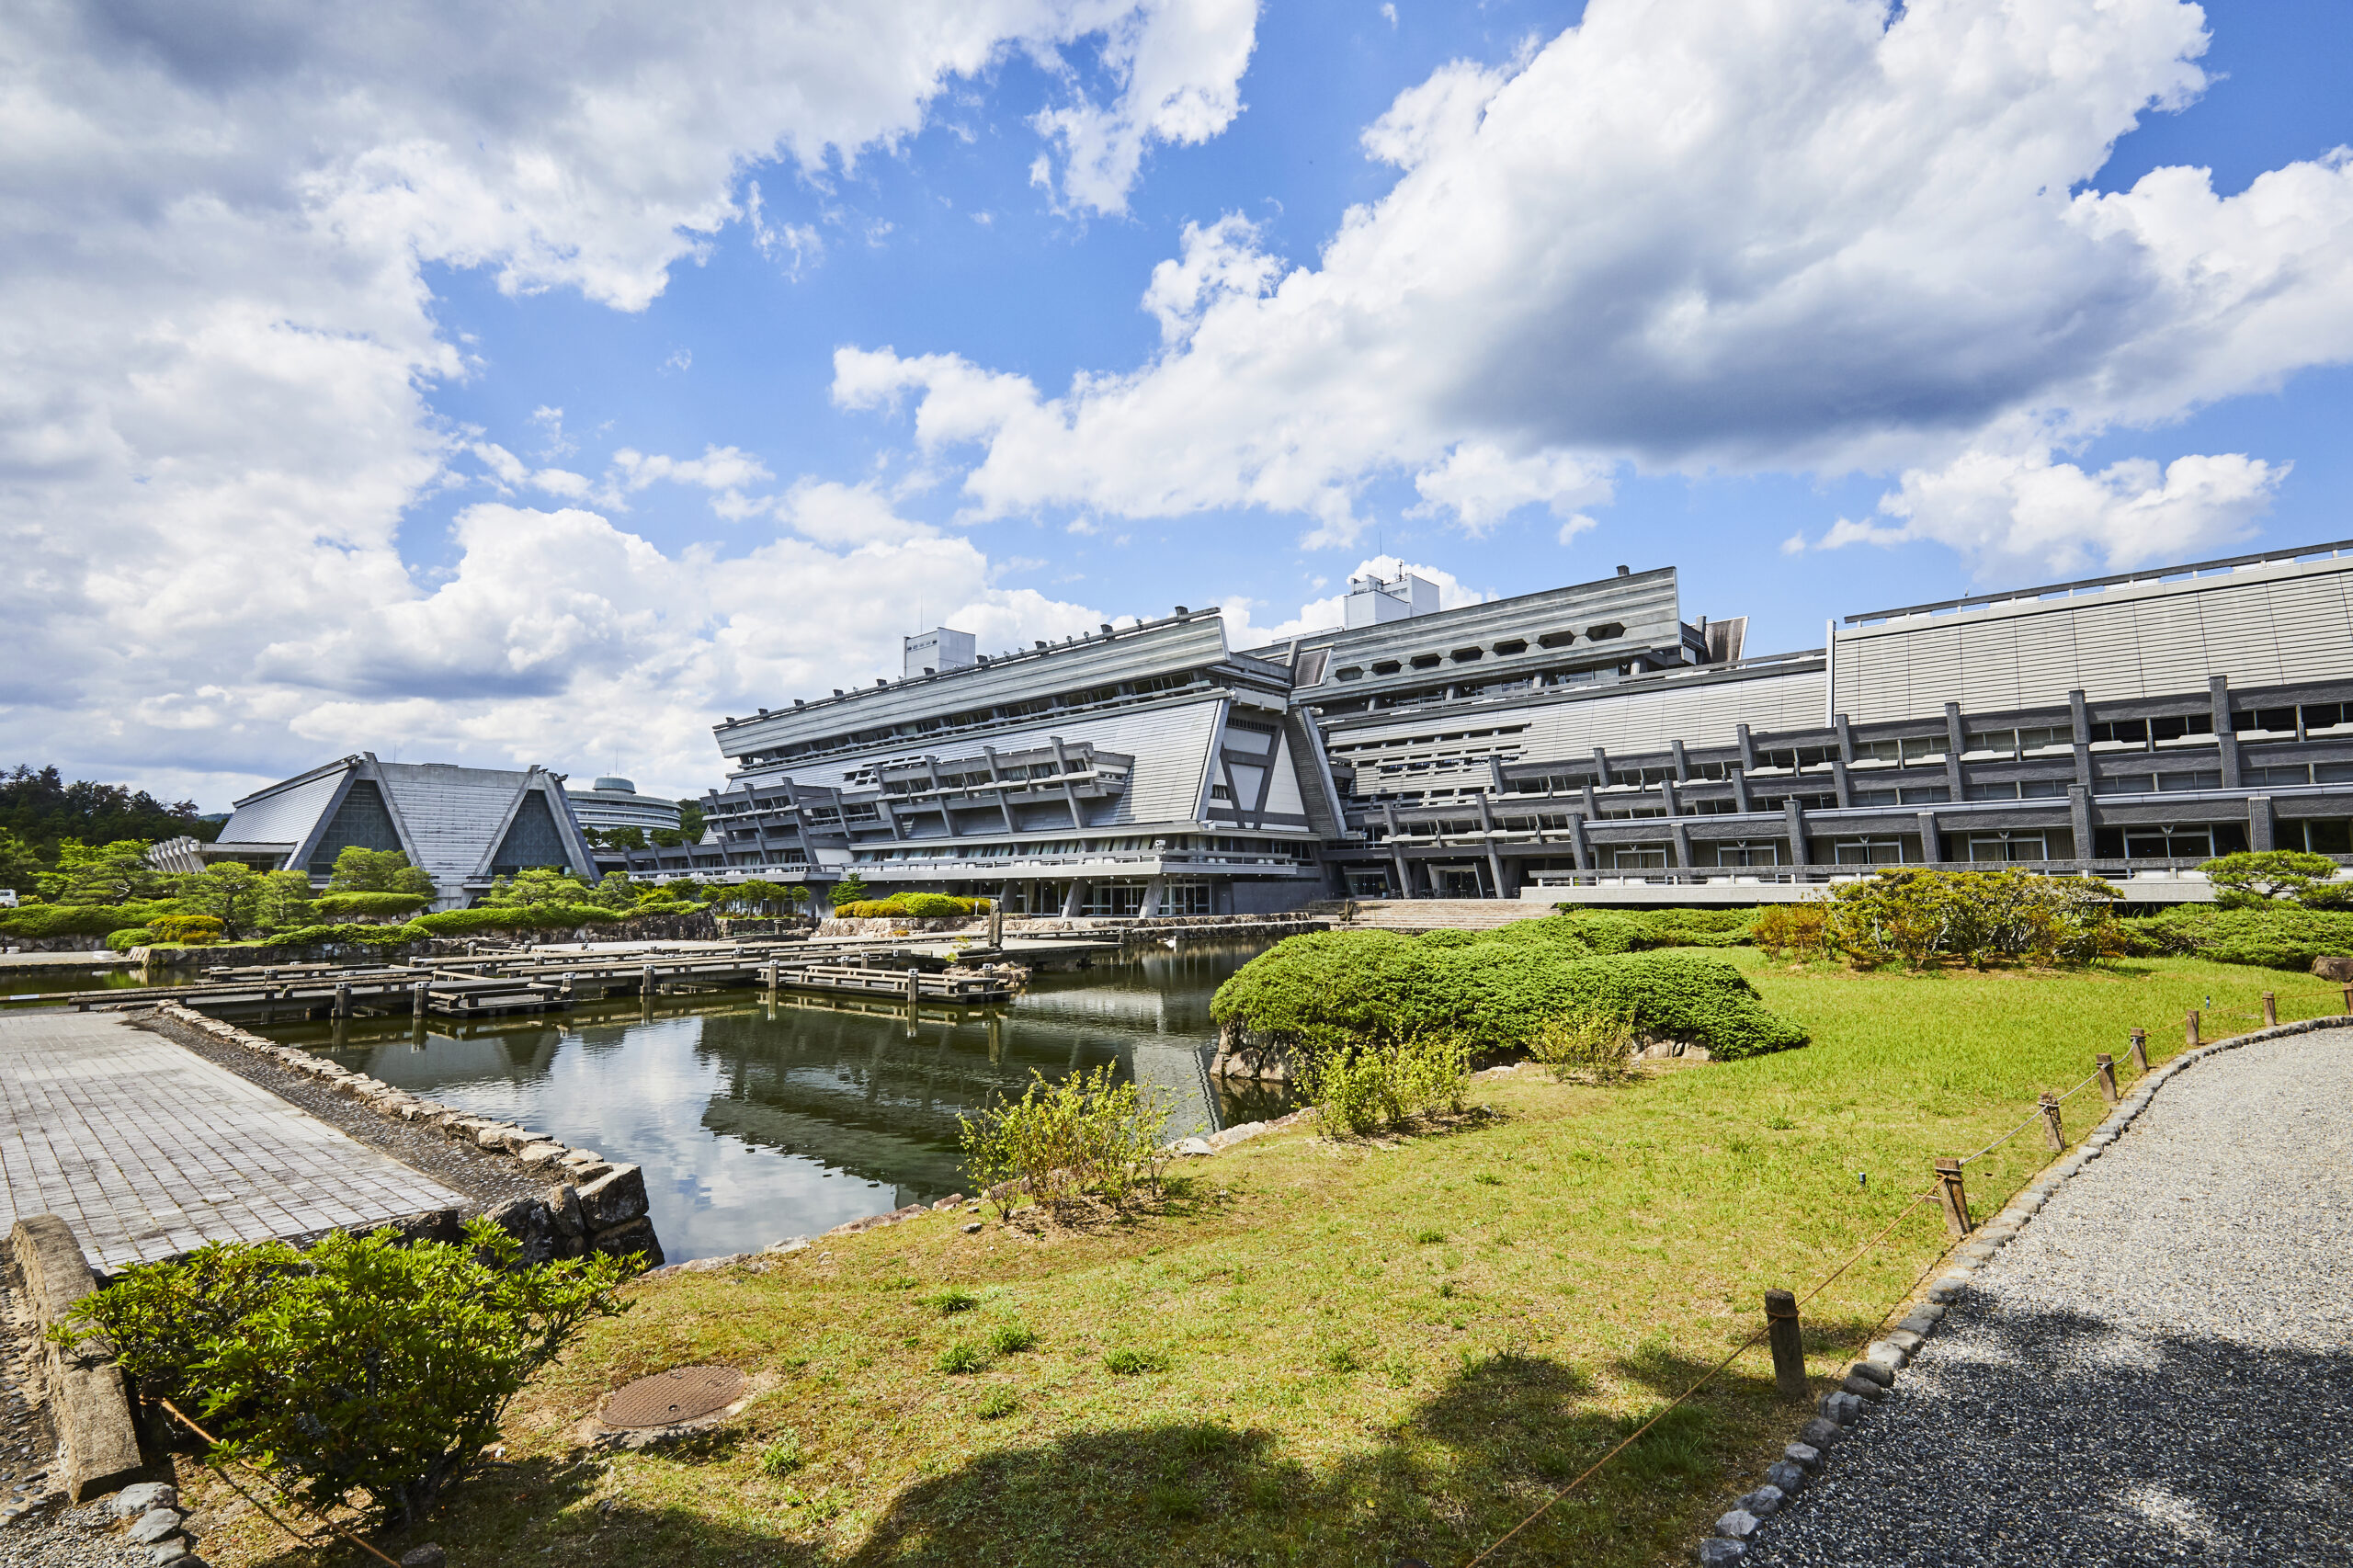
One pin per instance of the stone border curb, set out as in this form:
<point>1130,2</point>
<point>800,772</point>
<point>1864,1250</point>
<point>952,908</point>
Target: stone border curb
<point>87,1395</point>
<point>594,1205</point>
<point>1869,1381</point>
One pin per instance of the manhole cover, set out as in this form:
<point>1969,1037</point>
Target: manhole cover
<point>682,1393</point>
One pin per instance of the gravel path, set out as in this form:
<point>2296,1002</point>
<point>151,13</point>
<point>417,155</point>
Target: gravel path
<point>2158,1370</point>
<point>36,1530</point>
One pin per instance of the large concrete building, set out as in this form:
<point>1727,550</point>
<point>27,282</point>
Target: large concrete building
<point>614,802</point>
<point>466,826</point>
<point>1587,739</point>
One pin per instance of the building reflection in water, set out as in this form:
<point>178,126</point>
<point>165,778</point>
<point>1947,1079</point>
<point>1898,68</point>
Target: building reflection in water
<point>756,1121</point>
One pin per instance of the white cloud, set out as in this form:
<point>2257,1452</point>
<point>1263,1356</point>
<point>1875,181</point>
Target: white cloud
<point>218,341</point>
<point>1792,235</point>
<point>2025,509</point>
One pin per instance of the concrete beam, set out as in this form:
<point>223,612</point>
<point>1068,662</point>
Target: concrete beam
<point>2227,740</point>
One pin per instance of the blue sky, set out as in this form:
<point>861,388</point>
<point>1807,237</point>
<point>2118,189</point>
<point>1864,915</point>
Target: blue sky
<point>1798,312</point>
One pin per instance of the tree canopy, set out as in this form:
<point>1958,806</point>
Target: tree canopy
<point>377,870</point>
<point>38,806</point>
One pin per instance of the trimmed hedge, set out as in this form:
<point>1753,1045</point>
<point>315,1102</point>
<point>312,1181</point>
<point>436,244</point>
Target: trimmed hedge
<point>39,920</point>
<point>1678,928</point>
<point>342,904</point>
<point>910,906</point>
<point>2281,936</point>
<point>369,936</point>
<point>523,917</point>
<point>1494,991</point>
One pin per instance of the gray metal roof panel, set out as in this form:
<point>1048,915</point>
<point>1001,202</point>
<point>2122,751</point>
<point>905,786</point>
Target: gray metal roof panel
<point>284,815</point>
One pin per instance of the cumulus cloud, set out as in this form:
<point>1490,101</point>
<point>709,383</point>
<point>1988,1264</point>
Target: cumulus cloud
<point>2025,508</point>
<point>1813,235</point>
<point>218,342</point>
<point>1243,631</point>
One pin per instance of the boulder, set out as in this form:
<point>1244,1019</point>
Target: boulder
<point>2334,967</point>
<point>529,1222</point>
<point>622,1240</point>
<point>614,1198</point>
<point>133,1501</point>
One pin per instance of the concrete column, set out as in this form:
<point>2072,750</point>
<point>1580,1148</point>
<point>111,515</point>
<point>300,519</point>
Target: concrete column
<point>1747,748</point>
<point>1074,897</point>
<point>1793,817</point>
<point>1592,805</point>
<point>1682,762</point>
<point>1932,846</point>
<point>2080,717</point>
<point>1150,904</point>
<point>1740,786</point>
<point>2079,815</point>
<point>1580,844</point>
<point>1838,781</point>
<point>1952,751</point>
<point>1681,834</point>
<point>2258,822</point>
<point>1397,851</point>
<point>1495,861</point>
<point>2227,740</point>
<point>1601,766</point>
<point>1846,737</point>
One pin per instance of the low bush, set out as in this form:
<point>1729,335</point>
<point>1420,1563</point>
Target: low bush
<point>188,930</point>
<point>1799,930</point>
<point>2270,936</point>
<point>335,906</point>
<point>1920,916</point>
<point>1596,1047</point>
<point>123,941</point>
<point>350,934</point>
<point>1370,1086</point>
<point>910,906</point>
<point>952,1301</point>
<point>519,917</point>
<point>961,1358</point>
<point>1011,1339</point>
<point>1492,992</point>
<point>44,920</point>
<point>1630,930</point>
<point>357,1366</point>
<point>1134,1363</point>
<point>1084,1134</point>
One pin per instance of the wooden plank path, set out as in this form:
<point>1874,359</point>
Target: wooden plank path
<point>539,980</point>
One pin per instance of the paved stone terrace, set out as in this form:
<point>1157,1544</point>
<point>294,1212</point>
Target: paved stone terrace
<point>149,1150</point>
<point>2159,1369</point>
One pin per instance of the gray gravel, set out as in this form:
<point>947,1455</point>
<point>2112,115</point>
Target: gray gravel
<point>43,1534</point>
<point>2159,1367</point>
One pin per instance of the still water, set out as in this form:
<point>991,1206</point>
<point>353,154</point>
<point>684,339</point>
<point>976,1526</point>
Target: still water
<point>755,1123</point>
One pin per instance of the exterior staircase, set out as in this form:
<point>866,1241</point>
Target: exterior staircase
<point>1426,913</point>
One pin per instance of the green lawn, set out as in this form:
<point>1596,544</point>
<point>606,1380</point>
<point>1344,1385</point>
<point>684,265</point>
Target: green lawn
<point>1342,1354</point>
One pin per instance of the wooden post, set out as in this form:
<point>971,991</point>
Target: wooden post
<point>2348,1001</point>
<point>342,1000</point>
<point>2106,1066</point>
<point>1956,1198</point>
<point>2270,1011</point>
<point>1787,1339</point>
<point>645,981</point>
<point>914,987</point>
<point>2190,1029</point>
<point>2139,1051</point>
<point>2053,1126</point>
<point>416,1000</point>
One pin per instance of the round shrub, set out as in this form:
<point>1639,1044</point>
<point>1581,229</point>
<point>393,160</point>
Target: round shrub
<point>190,931</point>
<point>341,905</point>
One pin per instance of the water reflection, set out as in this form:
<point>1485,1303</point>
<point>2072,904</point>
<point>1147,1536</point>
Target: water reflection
<point>757,1121</point>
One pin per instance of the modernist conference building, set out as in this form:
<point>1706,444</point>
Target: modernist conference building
<point>1586,739</point>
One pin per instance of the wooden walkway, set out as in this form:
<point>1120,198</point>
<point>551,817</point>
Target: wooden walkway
<point>149,1150</point>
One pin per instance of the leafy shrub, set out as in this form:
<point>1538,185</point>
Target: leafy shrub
<point>522,917</point>
<point>1084,1134</point>
<point>1009,1338</point>
<point>2251,878</point>
<point>961,1358</point>
<point>999,1404</point>
<point>1800,930</point>
<point>1133,1363</point>
<point>43,920</point>
<point>781,1454</point>
<point>1596,1047</point>
<point>366,936</point>
<point>377,870</point>
<point>2270,936</point>
<point>335,905</point>
<point>357,1365</point>
<point>910,906</point>
<point>1919,917</point>
<point>1492,991</point>
<point>1365,1086</point>
<point>1631,930</point>
<point>123,941</point>
<point>190,930</point>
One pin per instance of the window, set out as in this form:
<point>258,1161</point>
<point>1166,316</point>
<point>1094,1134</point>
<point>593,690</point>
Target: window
<point>2179,782</point>
<point>1867,852</point>
<point>2135,731</point>
<point>2006,847</point>
<point>2189,843</point>
<point>1468,656</point>
<point>1639,857</point>
<point>2044,739</point>
<point>1426,661</point>
<point>1606,630</point>
<point>1188,896</point>
<point>1556,638</point>
<point>1385,666</point>
<point>1743,853</point>
<point>2319,837</point>
<point>2178,727</point>
<point>2326,715</point>
<point>1875,797</point>
<point>1936,796</point>
<point>1351,672</point>
<point>2276,776</point>
<point>1509,646</point>
<point>2003,741</point>
<point>1991,792</point>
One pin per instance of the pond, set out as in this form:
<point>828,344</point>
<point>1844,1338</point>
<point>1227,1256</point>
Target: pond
<point>757,1121</point>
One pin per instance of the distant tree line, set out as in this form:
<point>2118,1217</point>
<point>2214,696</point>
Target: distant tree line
<point>38,809</point>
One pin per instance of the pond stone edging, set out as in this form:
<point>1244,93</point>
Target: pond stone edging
<point>1871,1380</point>
<point>593,1205</point>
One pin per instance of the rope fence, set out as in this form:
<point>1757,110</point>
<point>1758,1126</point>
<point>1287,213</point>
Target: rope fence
<point>1781,1318</point>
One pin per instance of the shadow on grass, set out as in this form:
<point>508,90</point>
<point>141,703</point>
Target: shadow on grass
<point>1456,1472</point>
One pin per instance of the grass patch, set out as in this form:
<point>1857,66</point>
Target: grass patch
<point>1648,1219</point>
<point>961,1358</point>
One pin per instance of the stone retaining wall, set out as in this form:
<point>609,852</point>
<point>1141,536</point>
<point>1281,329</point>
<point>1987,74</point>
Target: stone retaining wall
<point>593,1204</point>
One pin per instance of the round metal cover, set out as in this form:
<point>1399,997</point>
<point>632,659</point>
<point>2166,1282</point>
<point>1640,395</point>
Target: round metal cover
<point>682,1393</point>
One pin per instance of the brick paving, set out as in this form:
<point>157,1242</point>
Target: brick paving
<point>149,1150</point>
